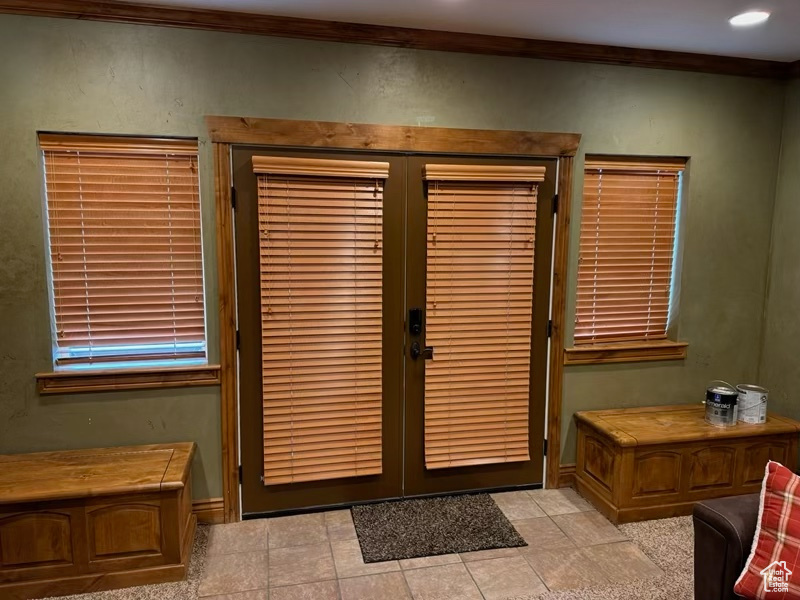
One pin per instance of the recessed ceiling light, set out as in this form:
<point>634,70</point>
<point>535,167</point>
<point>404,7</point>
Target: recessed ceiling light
<point>753,17</point>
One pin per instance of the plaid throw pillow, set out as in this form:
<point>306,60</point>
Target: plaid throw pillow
<point>772,571</point>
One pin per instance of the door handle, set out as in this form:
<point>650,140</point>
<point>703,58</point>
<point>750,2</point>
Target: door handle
<point>417,351</point>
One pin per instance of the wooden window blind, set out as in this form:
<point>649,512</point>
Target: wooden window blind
<point>481,232</point>
<point>627,243</point>
<point>125,247</point>
<point>321,257</point>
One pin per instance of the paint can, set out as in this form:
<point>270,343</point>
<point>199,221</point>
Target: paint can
<point>721,399</point>
<point>752,403</point>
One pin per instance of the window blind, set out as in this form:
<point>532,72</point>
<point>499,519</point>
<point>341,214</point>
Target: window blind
<point>321,257</point>
<point>627,242</point>
<point>481,233</point>
<point>125,247</point>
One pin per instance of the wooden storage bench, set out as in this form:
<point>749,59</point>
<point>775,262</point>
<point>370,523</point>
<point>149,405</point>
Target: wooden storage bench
<point>656,462</point>
<point>87,520</point>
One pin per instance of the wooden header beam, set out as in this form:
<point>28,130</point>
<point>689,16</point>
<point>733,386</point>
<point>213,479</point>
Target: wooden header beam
<point>401,37</point>
<point>394,138</point>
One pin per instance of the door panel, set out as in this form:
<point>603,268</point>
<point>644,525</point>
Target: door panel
<point>318,242</point>
<point>479,301</point>
<point>479,252</point>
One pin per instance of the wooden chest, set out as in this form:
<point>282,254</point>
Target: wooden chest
<point>656,462</point>
<point>87,520</point>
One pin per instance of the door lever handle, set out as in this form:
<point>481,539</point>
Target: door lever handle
<point>417,351</point>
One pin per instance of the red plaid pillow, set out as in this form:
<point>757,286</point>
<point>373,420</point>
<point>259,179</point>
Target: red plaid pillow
<point>772,571</point>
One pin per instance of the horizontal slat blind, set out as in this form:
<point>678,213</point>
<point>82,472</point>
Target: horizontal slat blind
<point>626,250</point>
<point>321,253</point>
<point>481,234</point>
<point>124,227</point>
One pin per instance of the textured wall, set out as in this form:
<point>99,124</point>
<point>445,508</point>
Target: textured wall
<point>780,368</point>
<point>112,78</point>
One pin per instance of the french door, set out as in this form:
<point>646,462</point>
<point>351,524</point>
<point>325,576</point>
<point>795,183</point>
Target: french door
<point>479,248</point>
<point>392,324</point>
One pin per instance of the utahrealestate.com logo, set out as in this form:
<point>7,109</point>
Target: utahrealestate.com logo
<point>776,577</point>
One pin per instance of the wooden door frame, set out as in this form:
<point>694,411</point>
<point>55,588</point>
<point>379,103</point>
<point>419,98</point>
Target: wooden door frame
<point>226,131</point>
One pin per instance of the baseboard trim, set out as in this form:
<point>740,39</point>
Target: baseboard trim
<point>210,511</point>
<point>566,475</point>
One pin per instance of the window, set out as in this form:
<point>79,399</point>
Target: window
<point>123,218</point>
<point>627,250</point>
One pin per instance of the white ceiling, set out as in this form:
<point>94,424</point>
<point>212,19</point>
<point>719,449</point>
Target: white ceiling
<point>683,25</point>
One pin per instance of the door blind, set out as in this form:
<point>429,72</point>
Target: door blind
<point>124,227</point>
<point>481,233</point>
<point>321,257</point>
<point>627,242</point>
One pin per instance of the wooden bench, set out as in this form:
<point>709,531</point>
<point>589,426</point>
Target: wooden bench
<point>656,462</point>
<point>87,520</point>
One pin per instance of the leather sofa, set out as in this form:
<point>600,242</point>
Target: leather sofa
<point>723,535</point>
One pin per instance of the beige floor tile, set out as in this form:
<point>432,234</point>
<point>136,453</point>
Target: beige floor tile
<point>251,595</point>
<point>622,562</point>
<point>321,590</point>
<point>340,533</point>
<point>448,582</point>
<point>350,563</point>
<point>517,505</point>
<point>541,534</point>
<point>429,561</point>
<point>565,569</point>
<point>384,586</point>
<point>245,536</point>
<point>340,525</point>
<point>338,517</point>
<point>589,528</point>
<point>505,578</point>
<point>488,554</point>
<point>297,530</point>
<point>560,502</point>
<point>231,573</point>
<point>300,564</point>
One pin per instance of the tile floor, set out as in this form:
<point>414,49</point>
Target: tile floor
<point>317,557</point>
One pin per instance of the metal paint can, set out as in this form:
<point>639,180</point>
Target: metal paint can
<point>752,403</point>
<point>721,400</point>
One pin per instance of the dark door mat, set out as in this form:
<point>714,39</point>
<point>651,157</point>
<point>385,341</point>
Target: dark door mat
<point>431,526</point>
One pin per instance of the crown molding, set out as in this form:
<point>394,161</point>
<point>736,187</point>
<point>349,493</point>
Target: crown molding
<point>400,37</point>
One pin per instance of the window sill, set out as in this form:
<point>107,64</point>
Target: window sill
<point>594,354</point>
<point>104,380</point>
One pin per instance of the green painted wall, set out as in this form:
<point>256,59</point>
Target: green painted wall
<point>780,368</point>
<point>112,78</point>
